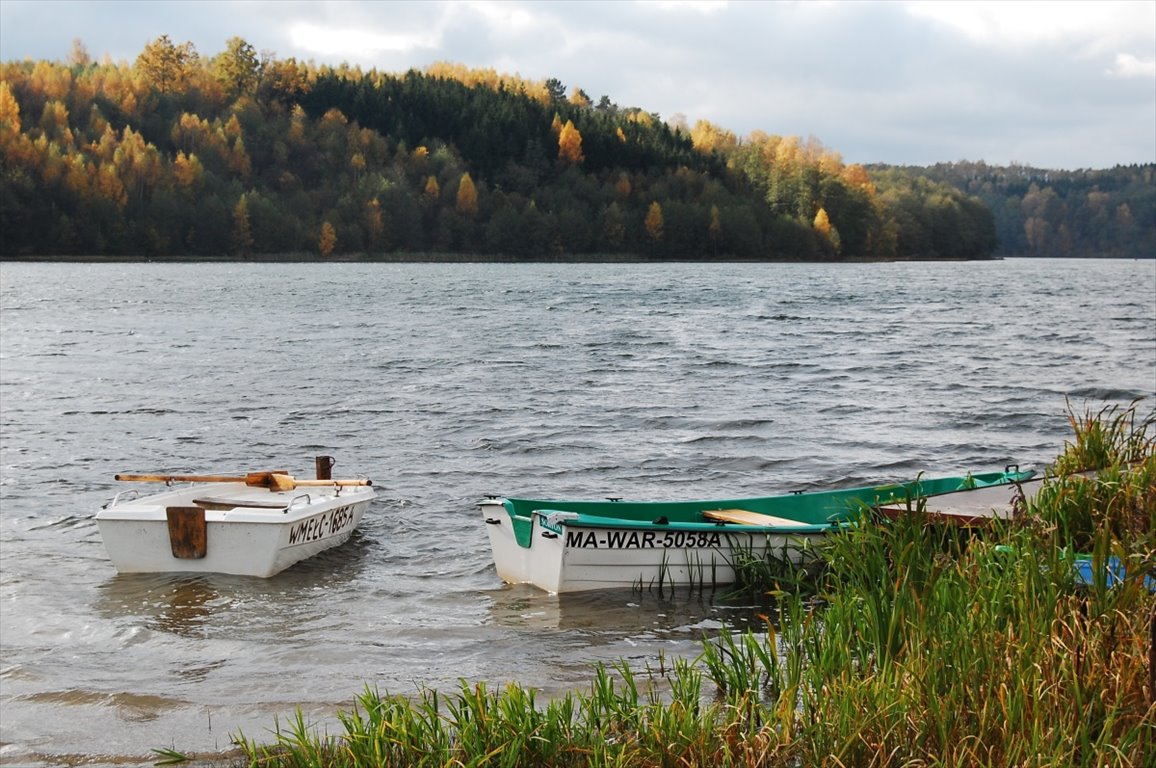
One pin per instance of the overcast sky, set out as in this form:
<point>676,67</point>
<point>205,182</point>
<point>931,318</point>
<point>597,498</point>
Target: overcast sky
<point>1061,85</point>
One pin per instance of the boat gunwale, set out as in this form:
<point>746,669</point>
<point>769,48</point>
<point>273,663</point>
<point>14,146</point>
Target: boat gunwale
<point>842,505</point>
<point>581,520</point>
<point>151,508</point>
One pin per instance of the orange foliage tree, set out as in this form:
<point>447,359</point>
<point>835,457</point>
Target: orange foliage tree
<point>570,144</point>
<point>467,202</point>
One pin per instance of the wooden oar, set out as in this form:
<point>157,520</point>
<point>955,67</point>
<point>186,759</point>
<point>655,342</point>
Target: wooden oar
<point>278,481</point>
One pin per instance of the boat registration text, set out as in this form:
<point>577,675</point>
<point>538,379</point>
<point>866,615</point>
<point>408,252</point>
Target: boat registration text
<point>589,539</point>
<point>317,527</point>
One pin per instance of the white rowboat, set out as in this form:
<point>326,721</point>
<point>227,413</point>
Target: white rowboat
<point>257,525</point>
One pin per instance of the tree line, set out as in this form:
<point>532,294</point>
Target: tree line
<point>243,155</point>
<point>1038,212</point>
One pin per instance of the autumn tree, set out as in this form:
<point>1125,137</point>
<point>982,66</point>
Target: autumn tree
<point>166,66</point>
<point>237,68</point>
<point>570,144</point>
<point>187,173</point>
<point>654,222</point>
<point>431,192</point>
<point>579,98</point>
<point>9,112</point>
<point>467,202</point>
<point>327,243</point>
<point>823,226</point>
<point>708,138</point>
<point>78,55</point>
<point>283,81</point>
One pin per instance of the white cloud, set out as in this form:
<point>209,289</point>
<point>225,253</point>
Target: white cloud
<point>507,17</point>
<point>1096,26</point>
<point>705,7</point>
<point>331,41</point>
<point>1128,65</point>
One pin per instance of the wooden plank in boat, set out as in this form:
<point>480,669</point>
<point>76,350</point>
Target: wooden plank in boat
<point>747,517</point>
<point>973,506</point>
<point>220,504</point>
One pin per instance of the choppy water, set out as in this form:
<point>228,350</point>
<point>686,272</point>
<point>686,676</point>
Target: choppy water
<point>447,382</point>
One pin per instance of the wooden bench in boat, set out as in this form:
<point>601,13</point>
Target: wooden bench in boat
<point>747,517</point>
<point>218,504</point>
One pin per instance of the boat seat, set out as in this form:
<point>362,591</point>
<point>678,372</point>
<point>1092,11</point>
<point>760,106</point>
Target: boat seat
<point>747,517</point>
<point>219,504</point>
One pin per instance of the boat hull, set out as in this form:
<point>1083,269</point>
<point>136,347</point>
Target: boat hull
<point>576,545</point>
<point>246,531</point>
<point>570,557</point>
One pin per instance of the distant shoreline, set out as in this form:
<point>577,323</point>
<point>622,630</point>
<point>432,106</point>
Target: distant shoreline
<point>438,258</point>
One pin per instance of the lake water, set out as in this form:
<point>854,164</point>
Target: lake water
<point>444,383</point>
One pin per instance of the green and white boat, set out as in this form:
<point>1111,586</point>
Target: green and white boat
<point>571,546</point>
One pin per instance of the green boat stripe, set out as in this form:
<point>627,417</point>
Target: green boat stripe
<point>815,511</point>
<point>594,521</point>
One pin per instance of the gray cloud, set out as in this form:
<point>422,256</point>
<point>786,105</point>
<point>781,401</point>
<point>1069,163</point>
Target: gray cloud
<point>1037,83</point>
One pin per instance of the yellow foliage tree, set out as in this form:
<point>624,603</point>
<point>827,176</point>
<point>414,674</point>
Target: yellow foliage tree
<point>233,129</point>
<point>238,159</point>
<point>9,111</point>
<point>579,98</point>
<point>856,176</point>
<point>654,222</point>
<point>432,191</point>
<point>190,132</point>
<point>708,137</point>
<point>467,203</point>
<point>109,185</point>
<point>166,66</point>
<point>823,226</point>
<point>822,222</point>
<point>187,171</point>
<point>570,144</point>
<point>327,243</point>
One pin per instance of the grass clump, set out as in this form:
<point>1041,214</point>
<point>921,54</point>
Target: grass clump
<point>926,646</point>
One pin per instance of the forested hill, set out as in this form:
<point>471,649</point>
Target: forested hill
<point>238,155</point>
<point>1040,212</point>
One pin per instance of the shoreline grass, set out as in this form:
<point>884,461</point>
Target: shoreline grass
<point>922,646</point>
